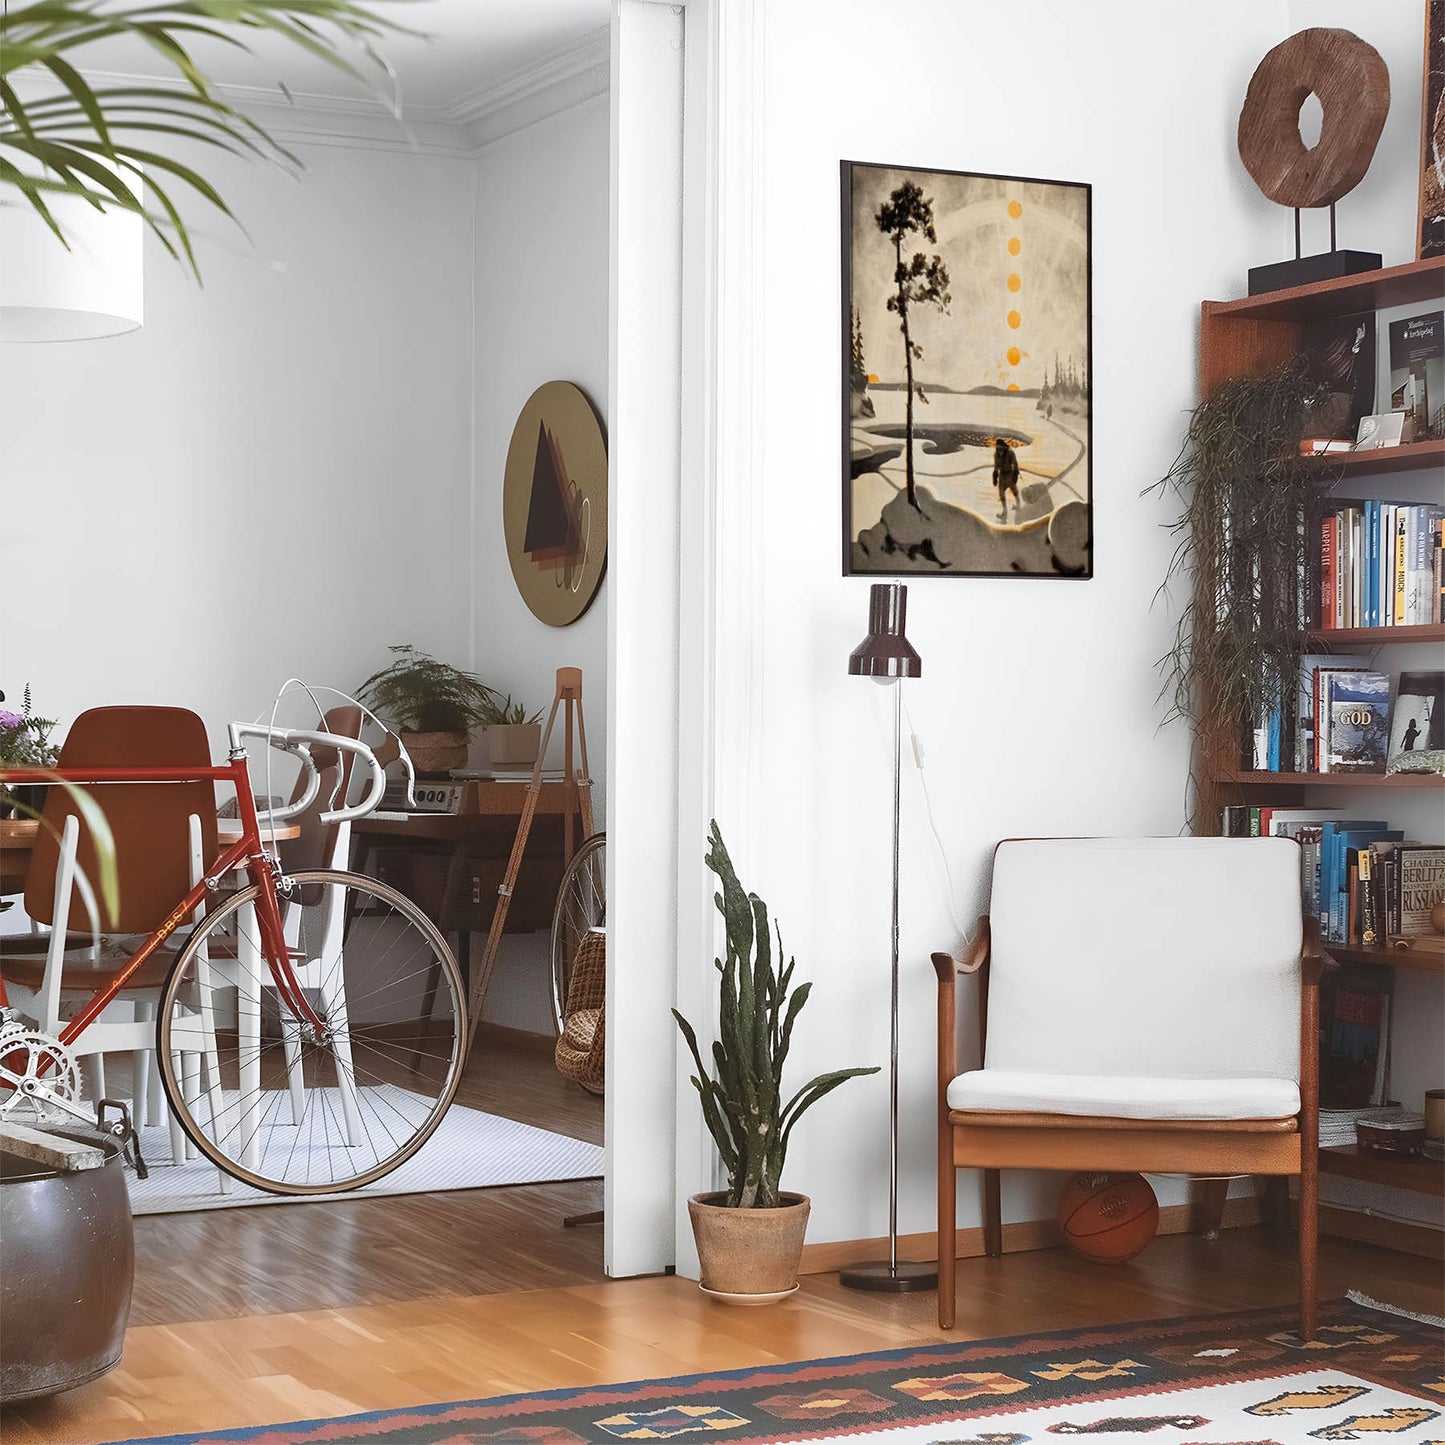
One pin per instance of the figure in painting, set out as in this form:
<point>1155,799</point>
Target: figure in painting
<point>1005,475</point>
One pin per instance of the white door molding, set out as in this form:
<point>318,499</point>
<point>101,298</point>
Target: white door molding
<point>687,475</point>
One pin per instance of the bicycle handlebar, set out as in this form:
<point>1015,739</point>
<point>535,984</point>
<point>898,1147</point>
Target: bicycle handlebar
<point>300,741</point>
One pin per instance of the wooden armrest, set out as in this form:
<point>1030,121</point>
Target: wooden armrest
<point>1313,961</point>
<point>974,957</point>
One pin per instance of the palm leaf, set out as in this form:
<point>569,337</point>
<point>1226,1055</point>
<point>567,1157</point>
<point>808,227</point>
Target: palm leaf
<point>67,139</point>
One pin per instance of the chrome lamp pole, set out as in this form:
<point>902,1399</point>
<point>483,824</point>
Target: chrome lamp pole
<point>887,657</point>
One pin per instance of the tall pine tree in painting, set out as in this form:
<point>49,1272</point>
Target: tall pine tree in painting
<point>919,280</point>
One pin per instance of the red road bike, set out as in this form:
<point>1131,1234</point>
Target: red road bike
<point>311,1028</point>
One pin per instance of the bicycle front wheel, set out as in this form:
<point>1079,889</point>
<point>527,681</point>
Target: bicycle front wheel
<point>280,1104</point>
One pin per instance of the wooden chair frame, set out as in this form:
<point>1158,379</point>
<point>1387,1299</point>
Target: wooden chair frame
<point>994,1140</point>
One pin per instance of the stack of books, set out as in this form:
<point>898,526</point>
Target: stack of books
<point>1363,880</point>
<point>1348,718</point>
<point>1337,1126</point>
<point>1379,565</point>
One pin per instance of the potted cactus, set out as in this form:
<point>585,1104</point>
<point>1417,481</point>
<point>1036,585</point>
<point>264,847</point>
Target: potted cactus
<point>750,1235</point>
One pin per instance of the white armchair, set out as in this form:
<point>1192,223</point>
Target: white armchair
<point>1144,1004</point>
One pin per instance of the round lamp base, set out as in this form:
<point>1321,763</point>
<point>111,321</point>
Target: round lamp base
<point>882,1278</point>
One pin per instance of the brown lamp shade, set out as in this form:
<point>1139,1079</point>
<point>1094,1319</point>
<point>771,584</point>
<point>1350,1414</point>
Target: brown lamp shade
<point>886,653</point>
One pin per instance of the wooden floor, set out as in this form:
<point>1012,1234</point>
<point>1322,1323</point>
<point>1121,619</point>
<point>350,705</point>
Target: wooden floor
<point>266,1369</point>
<point>225,1263</point>
<point>256,1316</point>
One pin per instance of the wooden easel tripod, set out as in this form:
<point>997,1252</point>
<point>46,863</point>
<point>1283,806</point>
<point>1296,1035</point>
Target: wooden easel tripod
<point>577,781</point>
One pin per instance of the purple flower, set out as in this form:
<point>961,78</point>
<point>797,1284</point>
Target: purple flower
<point>11,719</point>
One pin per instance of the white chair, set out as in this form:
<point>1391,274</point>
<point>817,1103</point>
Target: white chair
<point>1144,1004</point>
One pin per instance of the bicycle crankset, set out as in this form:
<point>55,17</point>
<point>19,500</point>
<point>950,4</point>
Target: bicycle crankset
<point>36,1071</point>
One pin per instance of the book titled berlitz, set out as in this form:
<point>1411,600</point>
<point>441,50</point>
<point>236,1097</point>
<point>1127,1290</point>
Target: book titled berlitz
<point>1421,883</point>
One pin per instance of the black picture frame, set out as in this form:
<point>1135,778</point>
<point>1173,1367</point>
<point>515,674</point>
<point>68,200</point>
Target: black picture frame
<point>1043,230</point>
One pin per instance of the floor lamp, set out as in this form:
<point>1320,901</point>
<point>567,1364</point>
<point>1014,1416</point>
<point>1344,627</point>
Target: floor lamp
<point>886,656</point>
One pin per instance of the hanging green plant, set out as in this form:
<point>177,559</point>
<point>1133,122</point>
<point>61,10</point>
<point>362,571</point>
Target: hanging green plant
<point>1242,541</point>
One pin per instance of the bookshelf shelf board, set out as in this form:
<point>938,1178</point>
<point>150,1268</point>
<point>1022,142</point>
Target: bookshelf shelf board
<point>1407,457</point>
<point>1374,636</point>
<point>1421,962</point>
<point>1424,1176</point>
<point>1331,780</point>
<point>1417,281</point>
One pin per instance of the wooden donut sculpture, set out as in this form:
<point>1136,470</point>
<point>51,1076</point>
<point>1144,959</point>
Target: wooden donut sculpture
<point>1353,86</point>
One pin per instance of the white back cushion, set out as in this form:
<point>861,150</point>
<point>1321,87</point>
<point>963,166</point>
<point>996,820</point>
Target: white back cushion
<point>1170,957</point>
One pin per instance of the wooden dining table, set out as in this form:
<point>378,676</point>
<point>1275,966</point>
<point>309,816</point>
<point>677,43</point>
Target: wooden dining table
<point>18,835</point>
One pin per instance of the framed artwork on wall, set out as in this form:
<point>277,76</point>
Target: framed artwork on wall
<point>967,375</point>
<point>1432,138</point>
<point>554,503</point>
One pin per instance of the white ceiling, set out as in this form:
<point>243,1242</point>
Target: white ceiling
<point>470,47</point>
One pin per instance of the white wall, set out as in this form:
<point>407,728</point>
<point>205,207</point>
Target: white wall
<point>541,278</point>
<point>303,420</point>
<point>1038,702</point>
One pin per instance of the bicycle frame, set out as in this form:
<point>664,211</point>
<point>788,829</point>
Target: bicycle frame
<point>248,850</point>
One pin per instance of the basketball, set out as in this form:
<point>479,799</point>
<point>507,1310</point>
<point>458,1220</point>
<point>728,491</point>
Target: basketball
<point>1108,1217</point>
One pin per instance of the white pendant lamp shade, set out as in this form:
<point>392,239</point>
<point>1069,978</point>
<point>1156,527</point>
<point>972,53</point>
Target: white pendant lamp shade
<point>48,293</point>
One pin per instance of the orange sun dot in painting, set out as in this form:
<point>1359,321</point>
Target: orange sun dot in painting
<point>1013,386</point>
<point>1015,210</point>
<point>1014,246</point>
<point>1015,281</point>
<point>1014,356</point>
<point>1014,320</point>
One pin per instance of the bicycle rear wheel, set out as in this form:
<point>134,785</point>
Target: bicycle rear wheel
<point>276,1103</point>
<point>581,906</point>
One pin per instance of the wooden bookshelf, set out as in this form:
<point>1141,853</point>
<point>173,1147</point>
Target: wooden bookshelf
<point>1423,961</point>
<point>1415,281</point>
<point>1399,1171</point>
<point>1378,636</point>
<point>1245,778</point>
<point>1255,334</point>
<point>1252,337</point>
<point>1381,461</point>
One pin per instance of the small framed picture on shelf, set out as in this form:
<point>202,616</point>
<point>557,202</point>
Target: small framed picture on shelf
<point>1417,723</point>
<point>1383,429</point>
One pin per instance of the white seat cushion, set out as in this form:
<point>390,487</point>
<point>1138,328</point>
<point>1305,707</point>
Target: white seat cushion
<point>1118,1097</point>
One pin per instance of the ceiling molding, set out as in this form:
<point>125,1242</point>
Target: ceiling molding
<point>577,60</point>
<point>565,78</point>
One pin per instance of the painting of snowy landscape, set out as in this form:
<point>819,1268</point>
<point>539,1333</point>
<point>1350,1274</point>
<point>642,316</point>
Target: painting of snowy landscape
<point>967,395</point>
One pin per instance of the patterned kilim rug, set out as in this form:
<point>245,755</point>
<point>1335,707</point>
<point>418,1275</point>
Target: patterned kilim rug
<point>1237,1379</point>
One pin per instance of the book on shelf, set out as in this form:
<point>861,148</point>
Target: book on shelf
<point>1376,564</point>
<point>1306,759</point>
<point>1417,721</point>
<point>1337,1126</point>
<point>1353,721</point>
<point>1340,354</point>
<point>1417,370</point>
<point>1355,1008</point>
<point>1420,885</point>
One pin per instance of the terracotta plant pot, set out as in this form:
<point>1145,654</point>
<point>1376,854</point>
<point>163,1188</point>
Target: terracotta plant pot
<point>434,755</point>
<point>749,1256</point>
<point>513,745</point>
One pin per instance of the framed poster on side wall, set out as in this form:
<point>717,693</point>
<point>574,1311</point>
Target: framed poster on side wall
<point>967,375</point>
<point>1432,138</point>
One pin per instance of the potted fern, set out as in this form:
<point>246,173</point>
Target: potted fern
<point>750,1235</point>
<point>434,704</point>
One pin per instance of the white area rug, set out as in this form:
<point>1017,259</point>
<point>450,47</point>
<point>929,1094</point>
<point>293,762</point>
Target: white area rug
<point>470,1150</point>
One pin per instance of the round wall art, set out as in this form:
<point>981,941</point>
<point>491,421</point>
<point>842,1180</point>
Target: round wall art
<point>554,503</point>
